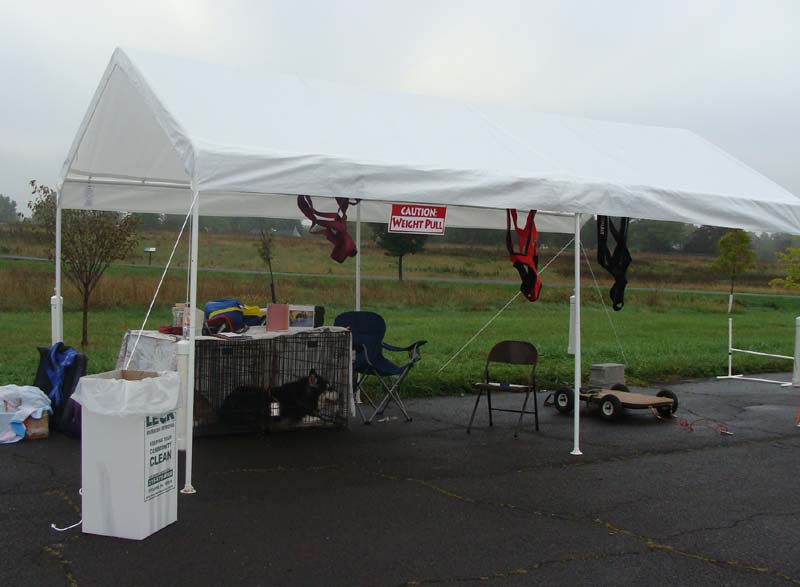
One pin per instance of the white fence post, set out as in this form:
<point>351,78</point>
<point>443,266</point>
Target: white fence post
<point>730,347</point>
<point>795,359</point>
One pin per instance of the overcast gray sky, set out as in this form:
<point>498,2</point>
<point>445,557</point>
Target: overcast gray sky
<point>728,70</point>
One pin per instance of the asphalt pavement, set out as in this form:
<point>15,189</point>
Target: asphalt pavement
<point>650,502</point>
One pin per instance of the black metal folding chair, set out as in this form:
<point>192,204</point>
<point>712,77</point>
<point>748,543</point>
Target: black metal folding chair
<point>368,330</point>
<point>511,352</point>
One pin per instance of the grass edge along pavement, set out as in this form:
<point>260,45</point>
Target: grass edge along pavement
<point>665,337</point>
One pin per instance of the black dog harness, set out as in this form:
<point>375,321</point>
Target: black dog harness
<point>617,263</point>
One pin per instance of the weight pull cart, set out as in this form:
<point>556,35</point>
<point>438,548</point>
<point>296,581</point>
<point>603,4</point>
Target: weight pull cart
<point>613,402</point>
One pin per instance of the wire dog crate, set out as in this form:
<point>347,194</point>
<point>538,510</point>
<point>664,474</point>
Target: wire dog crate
<point>283,382</point>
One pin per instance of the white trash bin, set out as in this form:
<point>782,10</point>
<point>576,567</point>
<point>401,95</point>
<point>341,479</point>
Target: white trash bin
<point>129,452</point>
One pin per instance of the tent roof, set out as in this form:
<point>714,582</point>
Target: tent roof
<point>248,142</point>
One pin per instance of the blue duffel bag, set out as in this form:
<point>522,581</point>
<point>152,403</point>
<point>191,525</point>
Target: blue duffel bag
<point>229,310</point>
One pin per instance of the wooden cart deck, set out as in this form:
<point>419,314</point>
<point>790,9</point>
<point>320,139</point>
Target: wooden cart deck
<point>628,399</point>
<point>613,402</point>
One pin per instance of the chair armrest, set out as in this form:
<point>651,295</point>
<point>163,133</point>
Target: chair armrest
<point>412,349</point>
<point>391,347</point>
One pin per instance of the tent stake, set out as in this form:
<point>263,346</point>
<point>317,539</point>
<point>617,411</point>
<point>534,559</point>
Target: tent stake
<point>192,309</point>
<point>576,450</point>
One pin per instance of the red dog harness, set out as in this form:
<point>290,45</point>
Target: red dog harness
<point>333,224</point>
<point>525,260</point>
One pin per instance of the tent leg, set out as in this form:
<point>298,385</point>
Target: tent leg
<point>182,352</point>
<point>358,258</point>
<point>57,301</point>
<point>796,368</point>
<point>576,449</point>
<point>189,435</point>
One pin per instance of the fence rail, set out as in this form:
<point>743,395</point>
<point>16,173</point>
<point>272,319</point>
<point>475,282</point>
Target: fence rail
<point>795,359</point>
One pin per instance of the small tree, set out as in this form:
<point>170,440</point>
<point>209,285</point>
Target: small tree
<point>398,245</point>
<point>790,259</point>
<point>265,246</point>
<point>90,241</point>
<point>8,210</point>
<point>735,257</point>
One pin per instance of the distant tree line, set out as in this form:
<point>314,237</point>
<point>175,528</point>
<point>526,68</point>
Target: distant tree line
<point>648,236</point>
<point>644,235</point>
<point>221,224</point>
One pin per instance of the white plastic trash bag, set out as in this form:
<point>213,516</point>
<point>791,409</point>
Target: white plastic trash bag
<point>129,393</point>
<point>17,402</point>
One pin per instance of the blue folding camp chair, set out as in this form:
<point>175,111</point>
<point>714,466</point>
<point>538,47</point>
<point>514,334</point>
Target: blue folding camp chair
<point>368,330</point>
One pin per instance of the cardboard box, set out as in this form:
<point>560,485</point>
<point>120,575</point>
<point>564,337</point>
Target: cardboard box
<point>37,428</point>
<point>129,467</point>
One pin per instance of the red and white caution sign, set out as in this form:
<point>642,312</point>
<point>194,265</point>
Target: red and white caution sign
<point>417,219</point>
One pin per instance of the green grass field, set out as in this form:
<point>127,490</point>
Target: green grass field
<point>674,337</point>
<point>664,336</point>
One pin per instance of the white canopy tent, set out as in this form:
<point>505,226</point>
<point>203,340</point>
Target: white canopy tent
<point>163,134</point>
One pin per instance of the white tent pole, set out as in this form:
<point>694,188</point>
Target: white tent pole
<point>57,302</point>
<point>182,353</point>
<point>796,368</point>
<point>576,449</point>
<point>192,309</point>
<point>358,258</point>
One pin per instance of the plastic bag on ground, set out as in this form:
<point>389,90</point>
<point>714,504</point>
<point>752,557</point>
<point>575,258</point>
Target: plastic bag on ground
<point>17,402</point>
<point>129,393</point>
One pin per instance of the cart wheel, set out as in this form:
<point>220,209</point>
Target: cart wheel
<point>620,387</point>
<point>564,399</point>
<point>610,407</point>
<point>667,411</point>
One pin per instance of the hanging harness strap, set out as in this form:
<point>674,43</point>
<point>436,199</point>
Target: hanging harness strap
<point>59,359</point>
<point>617,263</point>
<point>333,225</point>
<point>526,259</point>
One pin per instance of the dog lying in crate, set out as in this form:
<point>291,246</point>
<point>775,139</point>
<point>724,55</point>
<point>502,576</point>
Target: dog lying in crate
<point>308,400</point>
